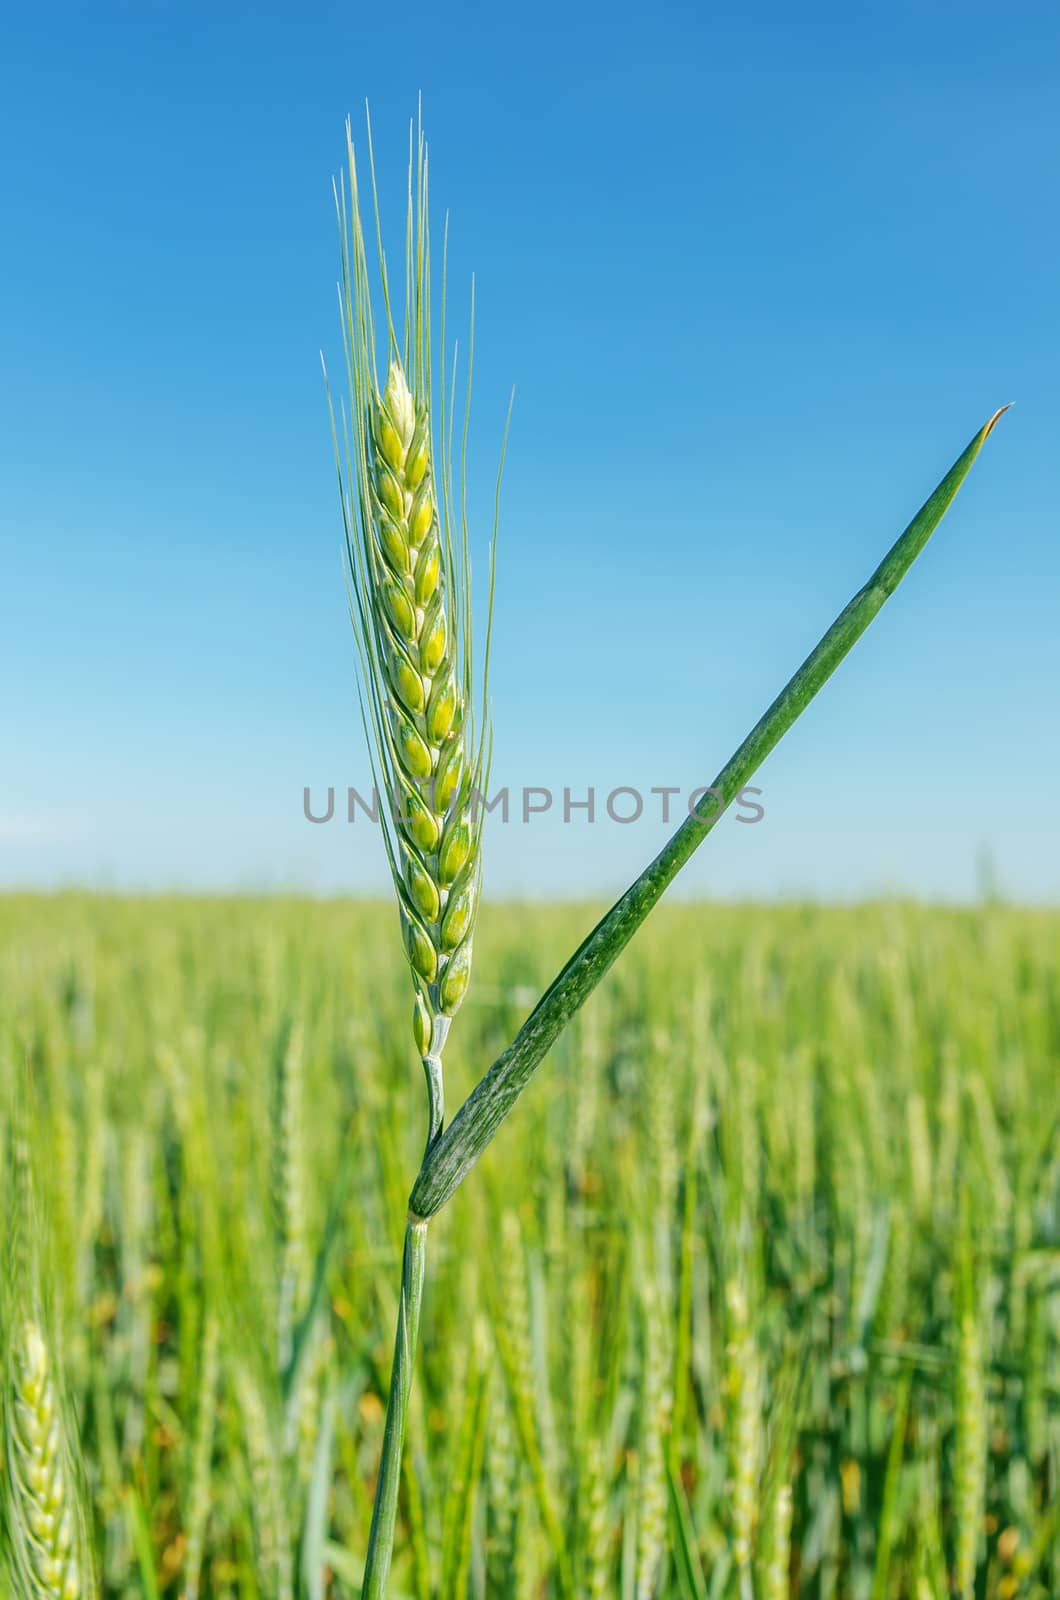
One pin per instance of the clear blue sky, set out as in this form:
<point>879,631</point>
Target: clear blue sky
<point>757,272</point>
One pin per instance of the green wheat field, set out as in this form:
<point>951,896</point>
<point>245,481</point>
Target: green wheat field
<point>758,1296</point>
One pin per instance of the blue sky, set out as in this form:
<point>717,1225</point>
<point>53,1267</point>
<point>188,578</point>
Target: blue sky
<point>757,273</point>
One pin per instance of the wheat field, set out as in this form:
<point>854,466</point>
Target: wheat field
<point>760,1298</point>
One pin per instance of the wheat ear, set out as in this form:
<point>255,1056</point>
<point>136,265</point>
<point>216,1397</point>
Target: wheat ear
<point>969,1467</point>
<point>744,1385</point>
<point>41,1508</point>
<point>410,600</point>
<point>416,633</point>
<point>43,1516</point>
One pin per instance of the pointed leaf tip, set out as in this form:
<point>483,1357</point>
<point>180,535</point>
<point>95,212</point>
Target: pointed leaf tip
<point>1000,412</point>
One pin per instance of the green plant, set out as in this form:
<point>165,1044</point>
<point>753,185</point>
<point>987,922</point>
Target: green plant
<point>410,586</point>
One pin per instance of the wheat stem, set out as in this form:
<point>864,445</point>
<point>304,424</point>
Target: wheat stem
<point>410,601</point>
<point>384,1511</point>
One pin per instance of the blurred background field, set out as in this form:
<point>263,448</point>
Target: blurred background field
<point>758,1295</point>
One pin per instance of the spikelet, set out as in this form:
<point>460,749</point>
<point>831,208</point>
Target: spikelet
<point>288,1191</point>
<point>579,1343</point>
<point>775,1581</point>
<point>40,1512</point>
<point>136,1313</point>
<point>502,1478</point>
<point>744,1391</point>
<point>410,582</point>
<point>651,1483</point>
<point>597,1532</point>
<point>270,1507</point>
<point>969,1468</point>
<point>43,1519</point>
<point>526,1561</point>
<point>305,1408</point>
<point>199,1476</point>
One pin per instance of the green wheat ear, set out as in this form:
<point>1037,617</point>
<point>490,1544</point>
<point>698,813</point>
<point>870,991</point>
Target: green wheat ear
<point>42,1518</point>
<point>410,600</point>
<point>43,1495</point>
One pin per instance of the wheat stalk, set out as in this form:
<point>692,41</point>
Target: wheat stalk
<point>410,601</point>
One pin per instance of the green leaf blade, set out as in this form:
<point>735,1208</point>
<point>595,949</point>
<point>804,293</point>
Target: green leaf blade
<point>455,1152</point>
